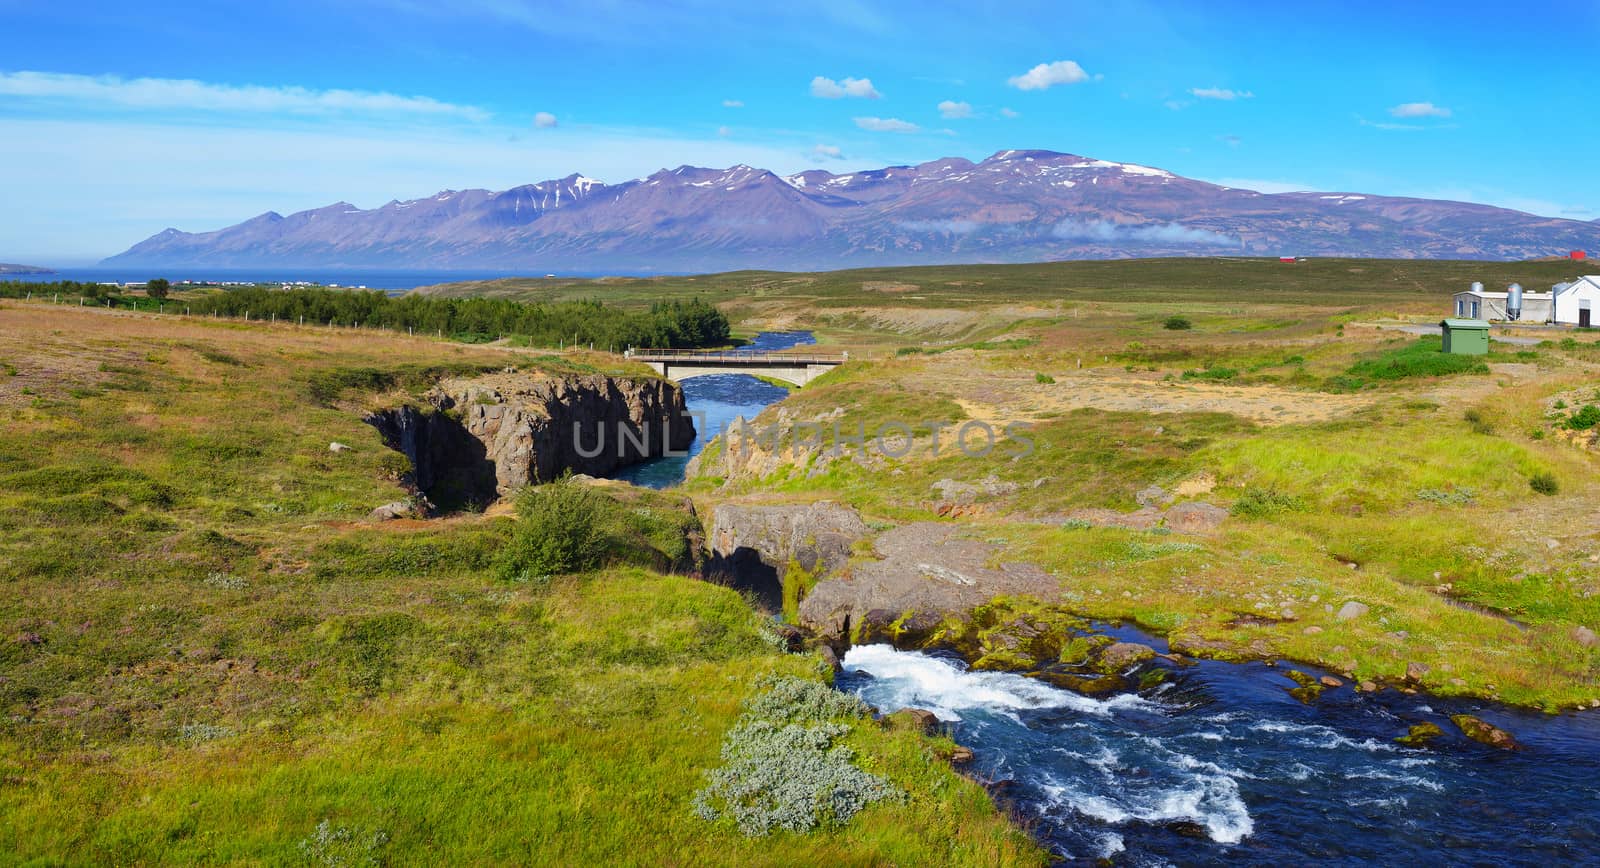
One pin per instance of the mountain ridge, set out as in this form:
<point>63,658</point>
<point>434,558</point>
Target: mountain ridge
<point>1013,206</point>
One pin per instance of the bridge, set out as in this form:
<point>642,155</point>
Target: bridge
<point>790,367</point>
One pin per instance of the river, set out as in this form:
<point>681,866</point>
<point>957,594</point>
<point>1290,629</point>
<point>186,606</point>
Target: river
<point>717,400</point>
<point>1221,766</point>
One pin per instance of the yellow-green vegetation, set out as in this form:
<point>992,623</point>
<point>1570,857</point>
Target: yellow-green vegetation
<point>1358,465</point>
<point>207,657</point>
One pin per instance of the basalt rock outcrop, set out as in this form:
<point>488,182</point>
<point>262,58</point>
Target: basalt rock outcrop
<point>472,440</point>
<point>924,567</point>
<point>755,547</point>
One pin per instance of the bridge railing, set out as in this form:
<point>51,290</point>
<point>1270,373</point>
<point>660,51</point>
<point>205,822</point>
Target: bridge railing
<point>734,357</point>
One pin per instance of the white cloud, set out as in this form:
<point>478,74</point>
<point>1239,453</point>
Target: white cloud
<point>951,227</point>
<point>826,152</point>
<point>1230,140</point>
<point>724,132</point>
<point>887,125</point>
<point>733,103</point>
<point>1221,93</point>
<point>545,121</point>
<point>1008,113</point>
<point>1419,110</point>
<point>147,94</point>
<point>827,88</point>
<point>952,110</point>
<point>1156,233</point>
<point>1048,75</point>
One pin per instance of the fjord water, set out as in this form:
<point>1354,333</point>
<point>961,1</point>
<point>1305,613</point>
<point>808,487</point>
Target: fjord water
<point>1221,766</point>
<point>717,400</point>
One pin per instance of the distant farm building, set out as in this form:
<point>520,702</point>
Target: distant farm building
<point>1476,303</point>
<point>1573,303</point>
<point>1576,302</point>
<point>1578,254</point>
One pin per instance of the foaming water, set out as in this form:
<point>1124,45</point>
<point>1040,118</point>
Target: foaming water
<point>717,400</point>
<point>1222,766</point>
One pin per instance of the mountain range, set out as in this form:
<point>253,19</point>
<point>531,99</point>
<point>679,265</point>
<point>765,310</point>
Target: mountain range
<point>1015,206</point>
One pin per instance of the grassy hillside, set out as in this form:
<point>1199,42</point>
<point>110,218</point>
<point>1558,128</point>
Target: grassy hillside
<point>206,656</point>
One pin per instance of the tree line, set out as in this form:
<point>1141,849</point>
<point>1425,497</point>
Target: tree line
<point>676,324</point>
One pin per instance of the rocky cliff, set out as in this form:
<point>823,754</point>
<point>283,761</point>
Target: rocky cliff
<point>475,439</point>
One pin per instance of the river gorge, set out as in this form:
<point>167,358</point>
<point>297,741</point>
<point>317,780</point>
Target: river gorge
<point>1217,763</point>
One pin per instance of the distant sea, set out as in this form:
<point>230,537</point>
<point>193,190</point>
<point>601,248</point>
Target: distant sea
<point>391,280</point>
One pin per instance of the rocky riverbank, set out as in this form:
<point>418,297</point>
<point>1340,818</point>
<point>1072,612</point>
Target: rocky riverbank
<point>473,440</point>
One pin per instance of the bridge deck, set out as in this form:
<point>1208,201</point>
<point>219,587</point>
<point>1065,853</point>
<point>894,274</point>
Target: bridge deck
<point>735,357</point>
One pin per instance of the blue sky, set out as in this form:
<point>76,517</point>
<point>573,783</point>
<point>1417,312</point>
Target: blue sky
<point>118,120</point>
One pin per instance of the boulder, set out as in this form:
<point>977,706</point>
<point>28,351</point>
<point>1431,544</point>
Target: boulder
<point>960,756</point>
<point>1352,610</point>
<point>1092,685</point>
<point>919,719</point>
<point>1153,495</point>
<point>830,659</point>
<point>1118,656</point>
<point>392,511</point>
<point>1585,637</point>
<point>1420,735</point>
<point>1482,731</point>
<point>1195,517</point>
<point>336,446</point>
<point>1415,672</point>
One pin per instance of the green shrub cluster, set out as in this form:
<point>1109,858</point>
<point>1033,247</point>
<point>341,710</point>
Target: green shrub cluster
<point>558,532</point>
<point>782,768</point>
<point>1215,373</point>
<point>1420,358</point>
<point>1585,419</point>
<point>1261,502</point>
<point>1177,323</point>
<point>1544,482</point>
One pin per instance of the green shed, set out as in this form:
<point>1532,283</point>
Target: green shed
<point>1465,337</point>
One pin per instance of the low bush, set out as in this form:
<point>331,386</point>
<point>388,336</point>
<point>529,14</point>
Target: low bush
<point>558,531</point>
<point>1420,358</point>
<point>1177,323</point>
<point>782,768</point>
<point>1261,502</point>
<point>1044,379</point>
<point>1585,419</point>
<point>1544,482</point>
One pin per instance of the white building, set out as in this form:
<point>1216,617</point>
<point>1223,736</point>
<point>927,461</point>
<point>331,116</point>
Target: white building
<point>1576,303</point>
<point>1478,304</point>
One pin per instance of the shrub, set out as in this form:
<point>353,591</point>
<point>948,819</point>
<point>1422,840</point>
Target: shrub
<point>1045,379</point>
<point>558,531</point>
<point>1544,482</point>
<point>1479,424</point>
<point>1260,502</point>
<point>1177,324</point>
<point>1217,373</point>
<point>781,768</point>
<point>1585,419</point>
<point>1419,358</point>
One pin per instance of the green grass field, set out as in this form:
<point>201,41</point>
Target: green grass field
<point>208,658</point>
